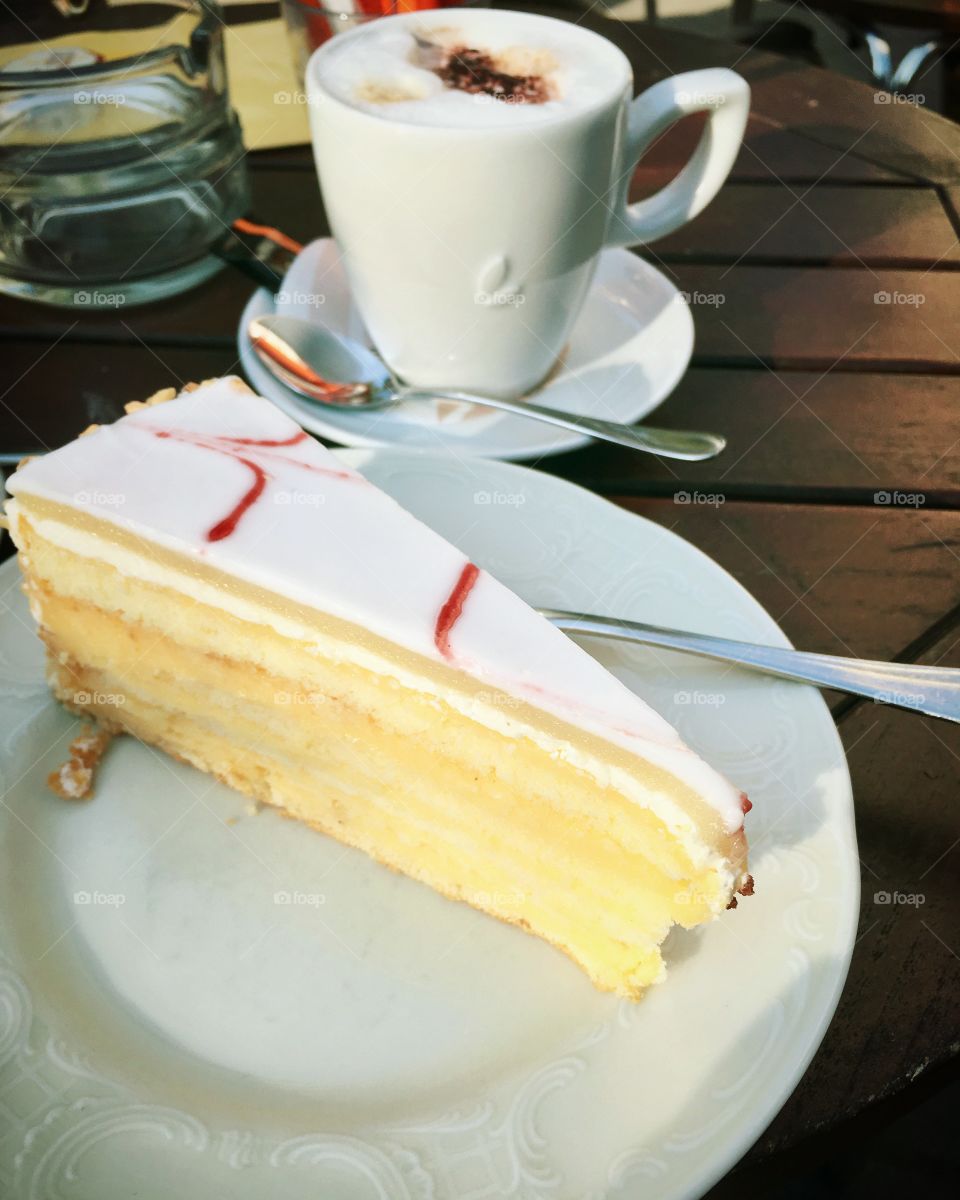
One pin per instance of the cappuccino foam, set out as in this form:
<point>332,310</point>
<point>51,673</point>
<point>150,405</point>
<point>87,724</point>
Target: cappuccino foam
<point>475,71</point>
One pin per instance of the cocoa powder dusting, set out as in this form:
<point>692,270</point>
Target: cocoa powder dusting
<point>474,71</point>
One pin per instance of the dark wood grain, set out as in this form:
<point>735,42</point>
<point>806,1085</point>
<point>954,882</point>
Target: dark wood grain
<point>826,223</point>
<point>290,200</point>
<point>901,991</point>
<point>789,317</point>
<point>798,434</point>
<point>769,154</point>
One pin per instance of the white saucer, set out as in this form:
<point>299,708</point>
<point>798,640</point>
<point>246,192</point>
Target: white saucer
<point>628,351</point>
<point>200,1000</point>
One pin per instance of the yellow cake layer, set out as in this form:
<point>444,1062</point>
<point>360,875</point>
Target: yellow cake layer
<point>312,720</point>
<point>396,772</point>
<point>299,735</point>
<point>209,626</point>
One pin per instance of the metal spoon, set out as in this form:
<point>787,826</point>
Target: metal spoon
<point>931,690</point>
<point>334,370</point>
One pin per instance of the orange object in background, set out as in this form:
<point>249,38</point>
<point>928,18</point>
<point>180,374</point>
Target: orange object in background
<point>317,21</point>
<point>385,8</point>
<point>277,236</point>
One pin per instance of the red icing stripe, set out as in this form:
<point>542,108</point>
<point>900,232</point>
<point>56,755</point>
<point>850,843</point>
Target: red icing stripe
<point>453,607</point>
<point>224,528</point>
<point>293,440</point>
<point>232,448</point>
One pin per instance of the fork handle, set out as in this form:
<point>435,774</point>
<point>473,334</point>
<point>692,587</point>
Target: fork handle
<point>934,691</point>
<point>690,446</point>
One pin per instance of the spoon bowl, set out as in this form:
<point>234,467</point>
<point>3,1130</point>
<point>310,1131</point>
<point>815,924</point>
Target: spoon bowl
<point>353,376</point>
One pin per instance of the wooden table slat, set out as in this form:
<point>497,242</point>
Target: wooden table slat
<point>899,227</point>
<point>772,154</point>
<point>883,1037</point>
<point>894,320</point>
<point>797,434</point>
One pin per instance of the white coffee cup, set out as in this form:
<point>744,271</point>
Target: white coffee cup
<point>470,248</point>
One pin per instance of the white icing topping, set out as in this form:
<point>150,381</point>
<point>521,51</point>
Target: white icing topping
<point>322,536</point>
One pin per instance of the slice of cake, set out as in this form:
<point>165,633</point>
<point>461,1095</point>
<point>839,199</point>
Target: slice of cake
<point>211,580</point>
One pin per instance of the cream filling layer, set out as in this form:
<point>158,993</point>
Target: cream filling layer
<point>90,546</point>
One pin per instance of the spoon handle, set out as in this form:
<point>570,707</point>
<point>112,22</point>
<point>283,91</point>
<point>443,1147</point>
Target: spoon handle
<point>668,443</point>
<point>931,690</point>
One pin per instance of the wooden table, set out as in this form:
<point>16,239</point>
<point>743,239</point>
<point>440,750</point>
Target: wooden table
<point>830,355</point>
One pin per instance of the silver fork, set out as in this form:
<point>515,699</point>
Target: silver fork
<point>934,691</point>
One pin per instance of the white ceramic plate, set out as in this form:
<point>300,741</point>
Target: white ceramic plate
<point>628,351</point>
<point>197,1000</point>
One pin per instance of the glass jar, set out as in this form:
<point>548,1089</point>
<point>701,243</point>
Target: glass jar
<point>121,161</point>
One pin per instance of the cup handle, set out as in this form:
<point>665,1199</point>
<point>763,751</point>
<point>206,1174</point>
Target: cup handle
<point>725,96</point>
